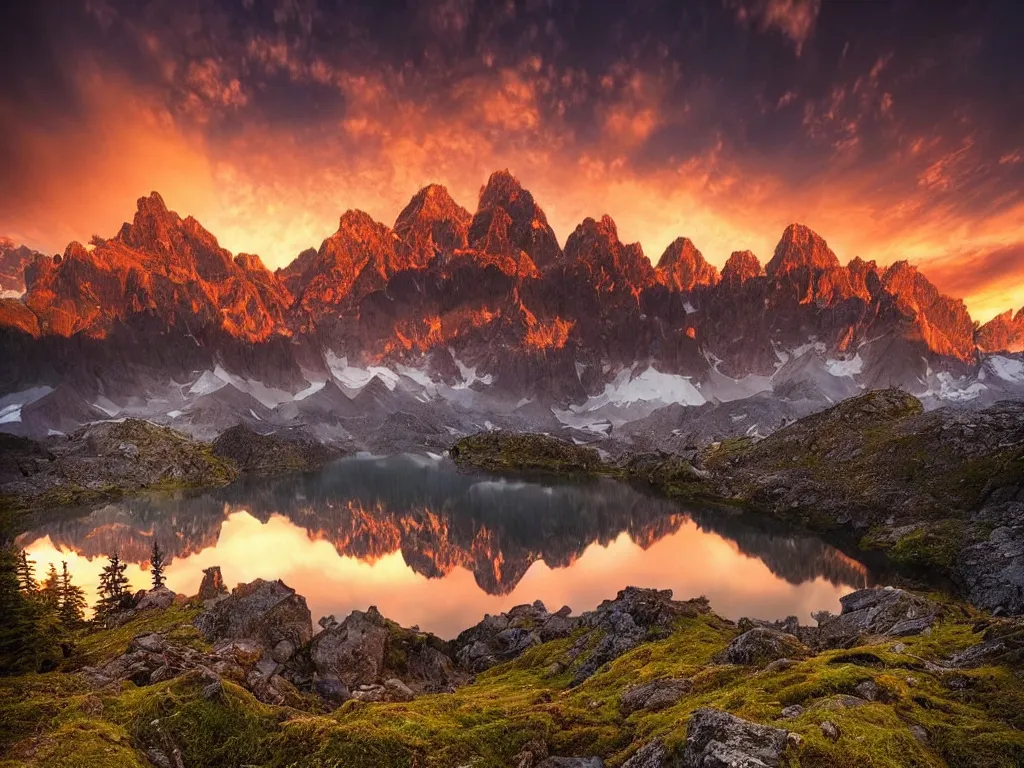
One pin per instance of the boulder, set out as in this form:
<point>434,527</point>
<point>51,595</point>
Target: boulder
<point>873,612</point>
<point>655,695</point>
<point>267,612</point>
<point>160,598</point>
<point>653,754</point>
<point>716,739</point>
<point>366,650</point>
<point>353,651</point>
<point>634,616</point>
<point>506,636</point>
<point>762,645</point>
<point>571,762</point>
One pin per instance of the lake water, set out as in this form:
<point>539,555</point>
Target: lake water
<point>432,547</point>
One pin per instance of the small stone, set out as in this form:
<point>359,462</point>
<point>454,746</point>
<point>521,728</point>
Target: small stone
<point>282,652</point>
<point>830,730</point>
<point>554,669</point>
<point>912,681</point>
<point>331,688</point>
<point>919,733</point>
<point>794,739</point>
<point>653,754</point>
<point>898,648</point>
<point>398,691</point>
<point>795,710</point>
<point>868,690</point>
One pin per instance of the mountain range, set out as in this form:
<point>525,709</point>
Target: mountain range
<point>449,316</point>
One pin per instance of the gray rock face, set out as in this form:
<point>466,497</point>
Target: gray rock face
<point>655,695</point>
<point>762,645</point>
<point>268,612</point>
<point>352,651</point>
<point>377,660</point>
<point>880,611</point>
<point>506,636</point>
<point>651,755</point>
<point>716,739</point>
<point>571,762</point>
<point>992,569</point>
<point>635,615</point>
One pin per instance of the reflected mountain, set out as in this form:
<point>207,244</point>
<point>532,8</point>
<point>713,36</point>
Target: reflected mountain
<point>439,519</point>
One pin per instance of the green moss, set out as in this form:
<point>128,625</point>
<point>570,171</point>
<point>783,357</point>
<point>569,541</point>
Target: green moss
<point>975,722</point>
<point>935,545</point>
<point>92,647</point>
<point>509,451</point>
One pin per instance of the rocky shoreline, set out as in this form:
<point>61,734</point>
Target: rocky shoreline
<point>642,681</point>
<point>111,459</point>
<point>941,494</point>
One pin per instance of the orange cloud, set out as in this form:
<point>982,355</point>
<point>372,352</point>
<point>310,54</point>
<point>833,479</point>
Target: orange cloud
<point>276,190</point>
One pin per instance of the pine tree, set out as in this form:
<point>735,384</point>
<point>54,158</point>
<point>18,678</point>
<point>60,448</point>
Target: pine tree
<point>29,637</point>
<point>49,591</point>
<point>156,560</point>
<point>72,600</point>
<point>16,625</point>
<point>26,573</point>
<point>113,589</point>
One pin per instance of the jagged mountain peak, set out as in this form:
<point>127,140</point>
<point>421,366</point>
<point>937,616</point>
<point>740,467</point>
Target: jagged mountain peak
<point>682,267</point>
<point>355,220</point>
<point>800,247</point>
<point>594,250</point>
<point>151,227</point>
<point>1003,333</point>
<point>529,230</point>
<point>432,224</point>
<point>502,187</point>
<point>740,267</point>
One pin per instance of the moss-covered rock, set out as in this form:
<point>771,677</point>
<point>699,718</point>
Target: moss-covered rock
<point>510,451</point>
<point>925,710</point>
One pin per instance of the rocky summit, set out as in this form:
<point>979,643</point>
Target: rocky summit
<point>644,680</point>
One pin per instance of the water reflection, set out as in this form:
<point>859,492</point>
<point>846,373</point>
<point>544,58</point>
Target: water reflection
<point>433,547</point>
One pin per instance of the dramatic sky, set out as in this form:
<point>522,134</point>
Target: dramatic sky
<point>896,130</point>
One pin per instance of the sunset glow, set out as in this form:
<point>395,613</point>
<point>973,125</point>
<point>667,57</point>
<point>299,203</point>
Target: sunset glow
<point>894,136</point>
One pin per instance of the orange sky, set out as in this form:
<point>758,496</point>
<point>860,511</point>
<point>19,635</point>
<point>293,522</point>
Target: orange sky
<point>266,132</point>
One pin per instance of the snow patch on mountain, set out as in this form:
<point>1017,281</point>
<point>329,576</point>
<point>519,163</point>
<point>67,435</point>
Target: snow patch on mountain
<point>1005,368</point>
<point>11,414</point>
<point>353,377</point>
<point>208,383</point>
<point>25,396</point>
<point>312,389</point>
<point>470,376</point>
<point>946,386</point>
<point>649,386</point>
<point>846,367</point>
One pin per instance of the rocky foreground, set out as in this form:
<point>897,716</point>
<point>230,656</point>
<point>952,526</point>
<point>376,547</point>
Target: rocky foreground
<point>941,493</point>
<point>642,681</point>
